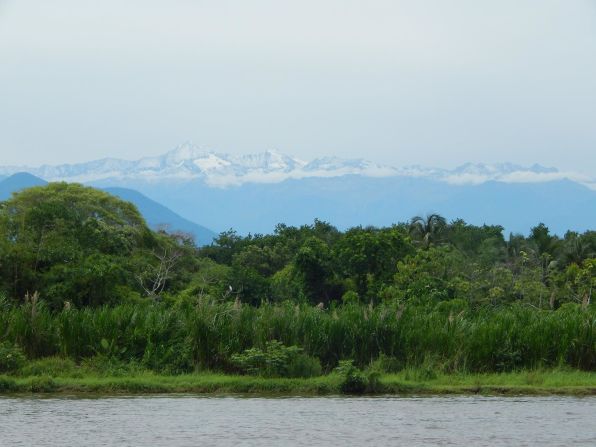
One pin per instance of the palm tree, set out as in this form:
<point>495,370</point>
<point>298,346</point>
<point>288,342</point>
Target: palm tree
<point>576,250</point>
<point>427,229</point>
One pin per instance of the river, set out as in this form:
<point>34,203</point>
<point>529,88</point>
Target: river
<point>180,421</point>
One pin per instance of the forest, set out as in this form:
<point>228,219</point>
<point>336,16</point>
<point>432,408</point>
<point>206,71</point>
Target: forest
<point>84,280</point>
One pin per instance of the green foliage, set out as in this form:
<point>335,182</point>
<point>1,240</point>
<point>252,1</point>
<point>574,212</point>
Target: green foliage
<point>7,384</point>
<point>387,364</point>
<point>78,246</point>
<point>276,360</point>
<point>370,256</point>
<point>83,278</point>
<point>428,230</point>
<point>350,297</point>
<point>438,273</point>
<point>50,366</point>
<point>353,380</point>
<point>303,366</point>
<point>285,283</point>
<point>313,263</point>
<point>11,358</point>
<point>42,384</point>
<point>69,242</point>
<point>373,381</point>
<point>204,336</point>
<point>103,365</point>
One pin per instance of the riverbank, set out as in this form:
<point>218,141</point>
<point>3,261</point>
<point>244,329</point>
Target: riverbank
<point>555,382</point>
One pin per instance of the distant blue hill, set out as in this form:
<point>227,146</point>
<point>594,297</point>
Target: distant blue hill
<point>156,215</point>
<point>353,200</point>
<point>18,181</point>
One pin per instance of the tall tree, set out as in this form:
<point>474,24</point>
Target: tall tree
<point>70,243</point>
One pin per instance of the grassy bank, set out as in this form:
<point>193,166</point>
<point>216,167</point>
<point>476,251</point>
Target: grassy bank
<point>409,382</point>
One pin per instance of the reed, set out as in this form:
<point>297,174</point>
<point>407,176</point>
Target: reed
<point>179,339</point>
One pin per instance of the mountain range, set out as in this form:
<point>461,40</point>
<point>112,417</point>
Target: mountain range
<point>191,163</point>
<point>252,193</point>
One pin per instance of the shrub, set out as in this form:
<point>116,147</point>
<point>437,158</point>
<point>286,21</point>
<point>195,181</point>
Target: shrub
<point>11,358</point>
<point>276,360</point>
<point>350,297</point>
<point>353,380</point>
<point>305,366</point>
<point>373,381</point>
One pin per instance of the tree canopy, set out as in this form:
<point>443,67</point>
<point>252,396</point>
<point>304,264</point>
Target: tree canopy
<point>72,244</point>
<point>78,245</point>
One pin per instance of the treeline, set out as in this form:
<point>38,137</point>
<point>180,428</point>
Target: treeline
<point>77,246</point>
<point>424,261</point>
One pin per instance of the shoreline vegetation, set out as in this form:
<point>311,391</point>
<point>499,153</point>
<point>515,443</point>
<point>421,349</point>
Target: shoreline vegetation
<point>93,301</point>
<point>407,383</point>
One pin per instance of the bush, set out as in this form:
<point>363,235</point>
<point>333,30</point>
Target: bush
<point>276,360</point>
<point>350,297</point>
<point>354,381</point>
<point>11,358</point>
<point>373,381</point>
<point>305,366</point>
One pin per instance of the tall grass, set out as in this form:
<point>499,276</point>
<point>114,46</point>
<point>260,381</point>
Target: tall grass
<point>204,337</point>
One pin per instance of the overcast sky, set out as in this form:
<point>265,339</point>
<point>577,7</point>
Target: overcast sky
<point>422,81</point>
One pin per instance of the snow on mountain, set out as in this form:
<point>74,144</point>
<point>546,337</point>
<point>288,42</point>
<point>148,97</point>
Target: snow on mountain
<point>189,162</point>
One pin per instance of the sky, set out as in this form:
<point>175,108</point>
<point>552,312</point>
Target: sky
<point>401,82</point>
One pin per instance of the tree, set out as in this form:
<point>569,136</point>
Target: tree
<point>313,264</point>
<point>369,256</point>
<point>154,279</point>
<point>433,275</point>
<point>71,243</point>
<point>543,241</point>
<point>427,230</point>
<point>576,248</point>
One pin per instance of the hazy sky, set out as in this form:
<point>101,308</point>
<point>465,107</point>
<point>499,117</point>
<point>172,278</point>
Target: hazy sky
<point>433,82</point>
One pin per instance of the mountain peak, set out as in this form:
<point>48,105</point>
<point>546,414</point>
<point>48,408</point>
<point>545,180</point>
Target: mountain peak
<point>189,162</point>
<point>185,152</point>
<point>18,181</point>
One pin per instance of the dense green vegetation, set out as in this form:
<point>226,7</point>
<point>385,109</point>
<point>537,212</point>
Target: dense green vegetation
<point>84,280</point>
<point>206,336</point>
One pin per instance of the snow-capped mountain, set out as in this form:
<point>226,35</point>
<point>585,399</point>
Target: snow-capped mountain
<point>253,193</point>
<point>189,162</point>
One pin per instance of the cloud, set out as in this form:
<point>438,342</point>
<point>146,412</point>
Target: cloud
<point>519,176</point>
